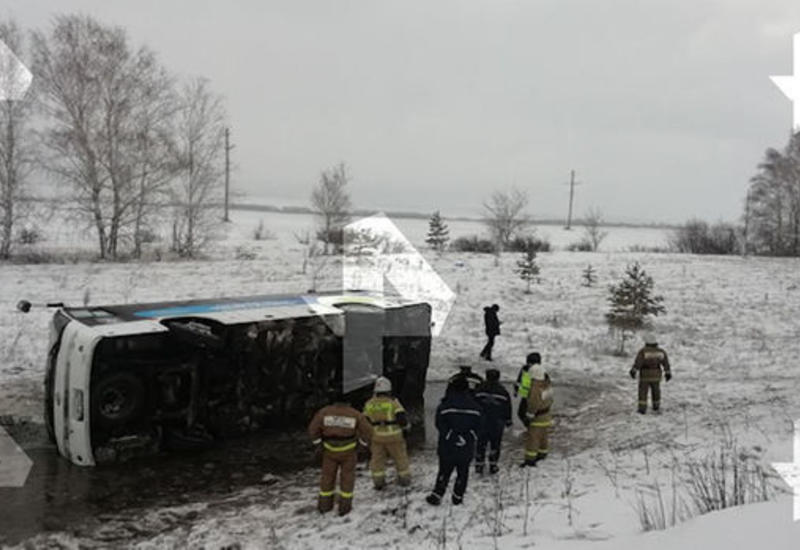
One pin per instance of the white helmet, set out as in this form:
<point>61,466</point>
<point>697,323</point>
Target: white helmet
<point>383,385</point>
<point>536,372</point>
<point>650,339</point>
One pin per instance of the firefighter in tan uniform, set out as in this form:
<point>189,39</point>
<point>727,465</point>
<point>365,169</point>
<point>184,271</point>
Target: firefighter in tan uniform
<point>540,400</point>
<point>340,429</point>
<point>650,362</point>
<point>388,419</point>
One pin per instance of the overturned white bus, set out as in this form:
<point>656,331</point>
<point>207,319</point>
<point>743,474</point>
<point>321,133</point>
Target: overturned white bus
<point>129,380</point>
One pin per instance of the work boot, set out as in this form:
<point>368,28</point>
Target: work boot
<point>457,499</point>
<point>379,483</point>
<point>530,462</point>
<point>404,481</point>
<point>325,504</point>
<point>641,411</point>
<point>433,499</point>
<point>345,505</point>
<point>493,468</point>
<point>479,469</point>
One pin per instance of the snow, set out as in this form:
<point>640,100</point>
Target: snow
<point>731,330</point>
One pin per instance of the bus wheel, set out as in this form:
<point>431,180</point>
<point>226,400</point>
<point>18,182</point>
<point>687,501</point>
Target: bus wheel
<point>118,398</point>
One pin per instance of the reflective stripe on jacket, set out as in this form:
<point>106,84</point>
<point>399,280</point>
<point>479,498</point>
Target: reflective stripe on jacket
<point>386,415</point>
<point>339,427</point>
<point>651,361</point>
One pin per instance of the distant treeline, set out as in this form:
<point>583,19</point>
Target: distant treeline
<point>404,214</point>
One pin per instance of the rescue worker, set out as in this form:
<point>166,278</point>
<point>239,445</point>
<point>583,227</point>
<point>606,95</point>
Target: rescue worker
<point>492,328</point>
<point>522,386</point>
<point>340,429</point>
<point>650,362</point>
<point>540,401</point>
<point>465,371</point>
<point>459,420</point>
<point>388,419</point>
<point>496,403</point>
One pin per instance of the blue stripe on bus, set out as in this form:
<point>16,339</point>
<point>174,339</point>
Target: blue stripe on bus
<point>219,307</point>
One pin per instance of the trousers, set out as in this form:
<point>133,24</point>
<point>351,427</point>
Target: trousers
<point>446,467</point>
<point>343,464</point>
<point>394,448</point>
<point>652,387</point>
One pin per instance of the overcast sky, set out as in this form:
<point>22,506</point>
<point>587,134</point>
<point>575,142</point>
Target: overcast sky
<point>663,107</point>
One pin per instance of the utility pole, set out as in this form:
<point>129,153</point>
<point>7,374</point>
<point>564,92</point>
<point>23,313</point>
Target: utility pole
<point>228,148</point>
<point>572,184</point>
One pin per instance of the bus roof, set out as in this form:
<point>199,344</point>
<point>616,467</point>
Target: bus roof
<point>231,310</point>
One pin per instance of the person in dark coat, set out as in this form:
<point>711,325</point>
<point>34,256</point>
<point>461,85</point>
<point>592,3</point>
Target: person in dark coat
<point>496,404</point>
<point>492,326</point>
<point>459,419</point>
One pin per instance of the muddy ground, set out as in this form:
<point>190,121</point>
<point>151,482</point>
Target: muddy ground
<point>111,503</point>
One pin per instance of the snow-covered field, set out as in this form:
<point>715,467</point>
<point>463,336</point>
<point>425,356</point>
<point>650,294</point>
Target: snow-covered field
<point>731,330</point>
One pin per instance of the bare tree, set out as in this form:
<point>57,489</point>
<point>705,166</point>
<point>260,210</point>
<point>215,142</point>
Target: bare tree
<point>199,142</point>
<point>330,201</point>
<point>773,206</point>
<point>504,215</point>
<point>16,144</point>
<point>592,228</point>
<point>97,91</point>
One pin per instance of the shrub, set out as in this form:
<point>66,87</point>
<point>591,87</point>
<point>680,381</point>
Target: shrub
<point>581,246</point>
<point>473,244</point>
<point>29,235</point>
<point>697,237</point>
<point>529,242</point>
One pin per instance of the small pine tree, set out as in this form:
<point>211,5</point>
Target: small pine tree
<point>589,276</point>
<point>527,269</point>
<point>632,303</point>
<point>438,233</point>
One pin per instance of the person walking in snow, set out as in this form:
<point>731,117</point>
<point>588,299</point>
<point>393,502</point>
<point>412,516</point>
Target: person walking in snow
<point>492,328</point>
<point>540,401</point>
<point>650,363</point>
<point>459,419</point>
<point>496,404</point>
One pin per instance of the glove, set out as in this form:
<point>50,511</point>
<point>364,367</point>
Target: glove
<point>633,374</point>
<point>668,376</point>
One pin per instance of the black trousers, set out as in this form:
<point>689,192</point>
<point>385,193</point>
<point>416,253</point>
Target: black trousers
<point>492,438</point>
<point>446,467</point>
<point>487,349</point>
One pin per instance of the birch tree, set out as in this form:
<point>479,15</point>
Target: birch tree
<point>16,143</point>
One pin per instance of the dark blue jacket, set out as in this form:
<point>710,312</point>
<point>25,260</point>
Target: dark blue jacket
<point>459,419</point>
<point>496,404</point>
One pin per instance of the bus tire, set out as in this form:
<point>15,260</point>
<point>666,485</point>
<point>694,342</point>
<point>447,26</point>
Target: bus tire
<point>117,399</point>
